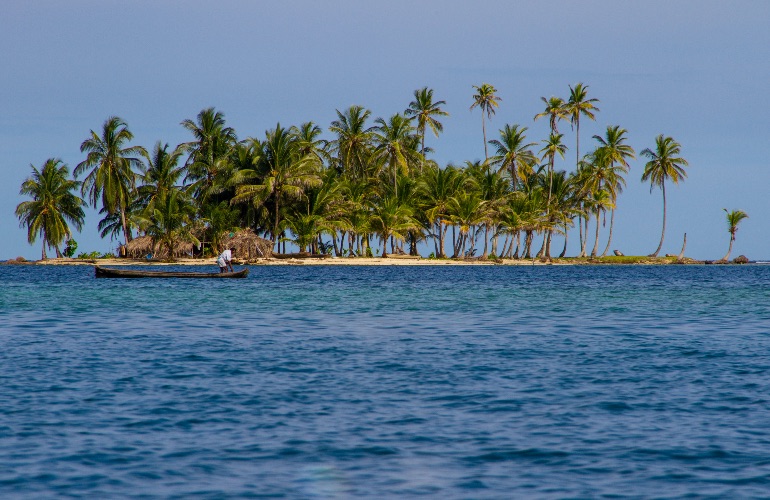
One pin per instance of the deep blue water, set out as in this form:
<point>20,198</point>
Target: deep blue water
<point>387,382</point>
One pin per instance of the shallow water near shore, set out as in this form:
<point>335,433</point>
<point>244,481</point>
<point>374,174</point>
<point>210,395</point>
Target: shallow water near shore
<point>387,382</point>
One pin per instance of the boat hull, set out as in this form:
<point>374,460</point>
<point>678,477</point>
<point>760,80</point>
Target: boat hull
<point>103,272</point>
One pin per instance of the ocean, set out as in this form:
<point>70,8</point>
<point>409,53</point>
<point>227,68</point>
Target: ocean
<point>329,382</point>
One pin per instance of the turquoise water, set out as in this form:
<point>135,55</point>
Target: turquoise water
<point>387,382</point>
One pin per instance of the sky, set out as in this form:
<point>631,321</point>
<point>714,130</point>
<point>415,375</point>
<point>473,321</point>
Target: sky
<point>695,70</point>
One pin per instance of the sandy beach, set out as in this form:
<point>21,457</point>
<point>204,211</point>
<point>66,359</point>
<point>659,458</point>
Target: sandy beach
<point>332,261</point>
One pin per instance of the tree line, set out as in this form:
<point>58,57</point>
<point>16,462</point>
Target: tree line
<point>372,182</point>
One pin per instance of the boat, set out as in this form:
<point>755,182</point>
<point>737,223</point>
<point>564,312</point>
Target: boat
<point>104,272</point>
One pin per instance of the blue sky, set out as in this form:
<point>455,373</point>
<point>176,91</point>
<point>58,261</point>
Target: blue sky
<point>695,70</point>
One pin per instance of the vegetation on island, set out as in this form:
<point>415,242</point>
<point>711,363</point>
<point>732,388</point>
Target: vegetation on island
<point>367,186</point>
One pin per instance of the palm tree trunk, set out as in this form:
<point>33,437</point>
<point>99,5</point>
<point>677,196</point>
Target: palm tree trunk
<point>548,238</point>
<point>585,236</point>
<point>663,232</point>
<point>564,250</point>
<point>484,131</point>
<point>729,250</point>
<point>124,224</point>
<point>580,231</point>
<point>44,256</point>
<point>596,241</point>
<point>609,240</point>
<point>528,245</point>
<point>486,238</point>
<point>680,257</point>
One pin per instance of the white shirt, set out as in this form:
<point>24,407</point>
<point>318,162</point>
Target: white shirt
<point>224,258</point>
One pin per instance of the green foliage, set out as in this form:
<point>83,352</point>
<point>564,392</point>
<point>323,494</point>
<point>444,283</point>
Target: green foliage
<point>71,248</point>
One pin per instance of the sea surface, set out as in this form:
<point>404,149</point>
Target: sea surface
<point>387,382</point>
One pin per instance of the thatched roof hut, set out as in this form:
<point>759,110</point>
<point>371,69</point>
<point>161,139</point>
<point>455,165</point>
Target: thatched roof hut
<point>247,245</point>
<point>142,246</point>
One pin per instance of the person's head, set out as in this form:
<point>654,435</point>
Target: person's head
<point>232,249</point>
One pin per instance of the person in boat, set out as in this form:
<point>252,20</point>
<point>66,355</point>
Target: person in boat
<point>225,260</point>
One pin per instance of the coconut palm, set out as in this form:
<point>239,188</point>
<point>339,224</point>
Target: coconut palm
<point>733,219</point>
<point>306,137</point>
<point>555,111</point>
<point>486,99</point>
<point>436,187</point>
<point>393,142</point>
<point>466,210</point>
<point>665,163</point>
<point>209,152</point>
<point>617,154</point>
<point>168,220</point>
<point>513,154</point>
<point>53,205</point>
<point>425,111</point>
<point>283,175</point>
<point>579,105</point>
<point>111,178</point>
<point>391,218</point>
<point>161,173</point>
<point>552,147</point>
<point>352,146</point>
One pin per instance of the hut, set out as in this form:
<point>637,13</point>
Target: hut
<point>247,244</point>
<point>142,246</point>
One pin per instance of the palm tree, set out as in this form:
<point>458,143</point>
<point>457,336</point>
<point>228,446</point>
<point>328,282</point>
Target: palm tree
<point>577,105</point>
<point>53,204</point>
<point>664,164</point>
<point>306,137</point>
<point>112,177</point>
<point>392,141</point>
<point>282,175</point>
<point>161,174</point>
<point>209,152</point>
<point>466,210</point>
<point>513,153</point>
<point>555,111</point>
<point>436,187</point>
<point>390,218</point>
<point>486,99</point>
<point>425,110</point>
<point>168,220</point>
<point>617,154</point>
<point>733,219</point>
<point>553,146</point>
<point>352,146</point>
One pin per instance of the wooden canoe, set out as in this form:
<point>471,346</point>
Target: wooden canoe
<point>103,272</point>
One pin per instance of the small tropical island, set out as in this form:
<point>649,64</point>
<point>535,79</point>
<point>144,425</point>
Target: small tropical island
<point>369,194</point>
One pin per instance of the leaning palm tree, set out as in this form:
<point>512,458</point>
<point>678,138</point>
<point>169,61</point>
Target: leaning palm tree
<point>579,105</point>
<point>513,153</point>
<point>665,163</point>
<point>53,204</point>
<point>425,111</point>
<point>111,177</point>
<point>733,219</point>
<point>617,153</point>
<point>486,99</point>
